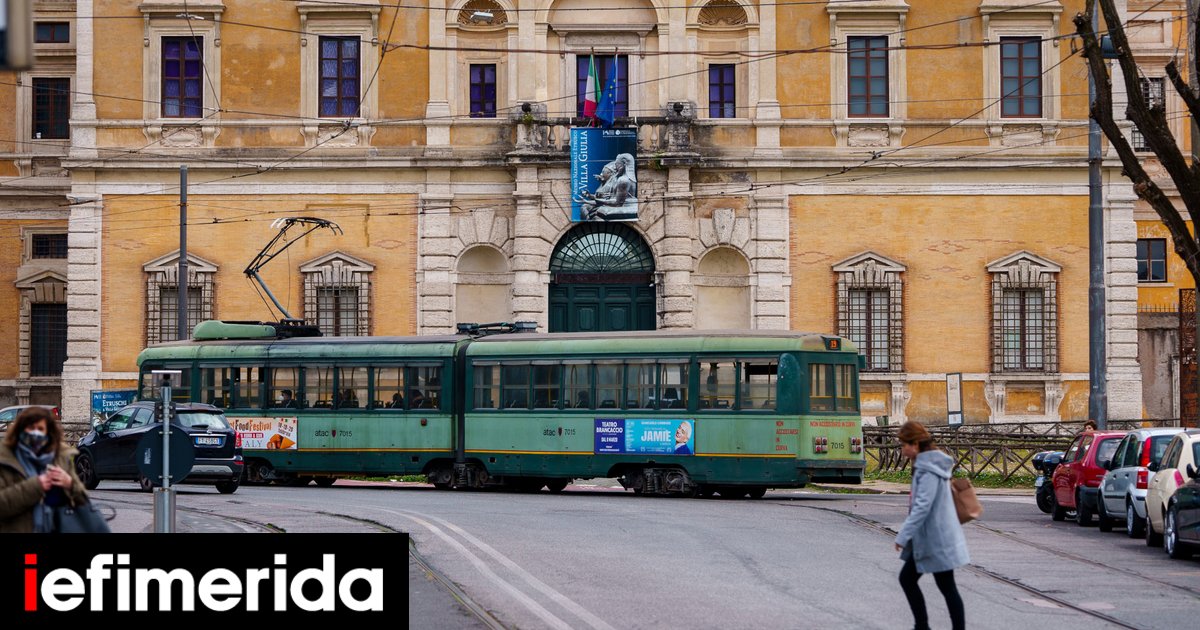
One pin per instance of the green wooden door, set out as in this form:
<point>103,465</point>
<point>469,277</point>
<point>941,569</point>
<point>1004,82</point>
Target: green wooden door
<point>603,280</point>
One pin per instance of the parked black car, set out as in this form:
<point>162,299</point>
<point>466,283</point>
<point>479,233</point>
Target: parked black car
<point>109,450</point>
<point>1045,462</point>
<point>1181,534</point>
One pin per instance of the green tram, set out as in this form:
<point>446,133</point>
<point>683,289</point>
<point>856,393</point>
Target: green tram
<point>693,413</point>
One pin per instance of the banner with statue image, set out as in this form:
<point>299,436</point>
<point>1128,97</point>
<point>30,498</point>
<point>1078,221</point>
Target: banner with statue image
<point>603,174</point>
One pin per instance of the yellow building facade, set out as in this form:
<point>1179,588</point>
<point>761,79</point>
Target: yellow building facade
<point>908,173</point>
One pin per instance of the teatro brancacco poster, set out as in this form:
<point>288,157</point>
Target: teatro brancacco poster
<point>603,174</point>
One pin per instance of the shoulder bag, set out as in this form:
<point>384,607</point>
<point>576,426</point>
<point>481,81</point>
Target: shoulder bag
<point>79,519</point>
<point>966,503</point>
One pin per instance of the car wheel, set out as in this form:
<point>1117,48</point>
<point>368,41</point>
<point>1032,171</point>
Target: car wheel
<point>1105,521</point>
<point>1057,512</point>
<point>228,487</point>
<point>1045,500</point>
<point>1171,536</point>
<point>86,471</point>
<point>325,482</point>
<point>144,484</point>
<point>1152,539</point>
<point>1135,526</point>
<point>1083,513</point>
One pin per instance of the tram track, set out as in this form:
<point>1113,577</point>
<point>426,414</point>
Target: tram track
<point>998,577</point>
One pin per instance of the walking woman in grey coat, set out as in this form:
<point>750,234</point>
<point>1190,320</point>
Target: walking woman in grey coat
<point>931,539</point>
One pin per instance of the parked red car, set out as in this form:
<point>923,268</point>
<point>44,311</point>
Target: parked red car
<point>1077,479</point>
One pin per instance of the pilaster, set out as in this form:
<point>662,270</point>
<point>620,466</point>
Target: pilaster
<point>531,252</point>
<point>771,301</point>
<point>81,371</point>
<point>675,253</point>
<point>1121,294</point>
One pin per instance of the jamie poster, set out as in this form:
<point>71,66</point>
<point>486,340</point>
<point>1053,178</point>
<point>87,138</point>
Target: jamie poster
<point>603,174</point>
<point>658,437</point>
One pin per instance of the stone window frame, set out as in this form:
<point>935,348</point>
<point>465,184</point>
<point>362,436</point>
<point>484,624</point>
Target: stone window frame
<point>1019,18</point>
<point>52,69</point>
<point>872,18</point>
<point>339,20</point>
<point>337,270</point>
<point>1024,270</point>
<point>159,20</point>
<point>464,33</point>
<point>164,272</point>
<point>869,270</point>
<point>45,287</point>
<point>735,38</point>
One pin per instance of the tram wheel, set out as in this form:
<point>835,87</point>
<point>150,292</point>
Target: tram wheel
<point>326,482</point>
<point>556,486</point>
<point>757,492</point>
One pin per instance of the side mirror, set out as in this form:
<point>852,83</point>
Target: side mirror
<point>1191,471</point>
<point>1106,464</point>
<point>1153,467</point>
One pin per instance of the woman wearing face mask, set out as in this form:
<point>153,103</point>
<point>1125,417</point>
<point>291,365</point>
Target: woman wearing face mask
<point>37,473</point>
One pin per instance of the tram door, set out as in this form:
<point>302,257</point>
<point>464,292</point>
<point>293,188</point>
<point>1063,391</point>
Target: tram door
<point>602,280</point>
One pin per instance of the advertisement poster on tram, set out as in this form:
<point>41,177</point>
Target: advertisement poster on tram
<point>603,174</point>
<point>659,437</point>
<point>265,434</point>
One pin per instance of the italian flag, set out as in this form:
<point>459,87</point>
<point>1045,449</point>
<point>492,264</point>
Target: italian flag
<point>593,88</point>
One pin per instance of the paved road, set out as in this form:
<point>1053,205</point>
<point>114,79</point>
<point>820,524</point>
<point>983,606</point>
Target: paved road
<point>593,557</point>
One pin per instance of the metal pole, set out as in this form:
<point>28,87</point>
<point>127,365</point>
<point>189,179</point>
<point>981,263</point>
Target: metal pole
<point>1193,78</point>
<point>164,497</point>
<point>181,327</point>
<point>1097,374</point>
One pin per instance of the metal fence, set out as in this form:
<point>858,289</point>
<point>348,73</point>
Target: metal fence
<point>1004,449</point>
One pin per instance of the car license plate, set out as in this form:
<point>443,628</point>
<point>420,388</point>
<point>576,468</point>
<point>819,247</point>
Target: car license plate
<point>1037,483</point>
<point>208,441</point>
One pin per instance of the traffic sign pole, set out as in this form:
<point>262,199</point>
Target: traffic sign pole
<point>164,497</point>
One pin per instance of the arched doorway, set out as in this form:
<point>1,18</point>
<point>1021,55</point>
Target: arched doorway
<point>602,277</point>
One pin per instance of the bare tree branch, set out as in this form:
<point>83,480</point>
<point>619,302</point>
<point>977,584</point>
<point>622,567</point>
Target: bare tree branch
<point>1153,127</point>
<point>1185,92</point>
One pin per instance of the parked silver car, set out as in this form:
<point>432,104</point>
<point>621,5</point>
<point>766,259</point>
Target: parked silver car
<point>8,414</point>
<point>1123,489</point>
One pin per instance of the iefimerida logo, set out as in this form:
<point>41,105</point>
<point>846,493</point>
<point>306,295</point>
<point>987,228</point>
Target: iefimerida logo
<point>111,584</point>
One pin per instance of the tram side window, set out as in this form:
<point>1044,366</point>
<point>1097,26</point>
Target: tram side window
<point>182,391</point>
<point>246,387</point>
<point>147,391</point>
<point>546,386</point>
<point>758,384</point>
<point>844,388</point>
<point>673,385</point>
<point>352,388</point>
<point>577,386</point>
<point>820,396</point>
<point>285,388</point>
<point>425,387</point>
<point>389,388</point>
<point>608,385</point>
<point>515,380</point>
<point>487,386</point>
<point>318,387</point>
<point>640,386</point>
<point>215,386</point>
<point>717,385</point>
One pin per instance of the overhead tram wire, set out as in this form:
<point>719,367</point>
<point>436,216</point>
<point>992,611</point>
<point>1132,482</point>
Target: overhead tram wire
<point>271,167</point>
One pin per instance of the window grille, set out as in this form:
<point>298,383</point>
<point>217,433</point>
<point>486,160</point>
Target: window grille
<point>1153,90</point>
<point>49,246</point>
<point>337,296</point>
<point>162,295</point>
<point>1025,319</point>
<point>49,336</point>
<point>870,296</point>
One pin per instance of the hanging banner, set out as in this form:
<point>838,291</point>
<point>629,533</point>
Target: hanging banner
<point>603,174</point>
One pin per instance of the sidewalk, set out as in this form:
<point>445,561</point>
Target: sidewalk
<point>133,517</point>
<point>876,486</point>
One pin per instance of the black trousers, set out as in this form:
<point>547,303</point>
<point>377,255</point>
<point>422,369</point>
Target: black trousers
<point>916,601</point>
